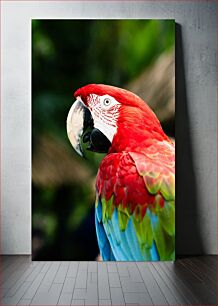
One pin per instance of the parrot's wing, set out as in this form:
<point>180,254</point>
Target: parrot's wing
<point>157,168</point>
<point>137,203</point>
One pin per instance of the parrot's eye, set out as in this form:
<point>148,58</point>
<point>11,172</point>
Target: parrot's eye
<point>107,102</point>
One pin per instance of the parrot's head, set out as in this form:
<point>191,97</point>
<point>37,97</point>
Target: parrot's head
<point>106,116</point>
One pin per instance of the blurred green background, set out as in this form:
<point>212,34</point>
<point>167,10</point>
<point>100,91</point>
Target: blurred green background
<point>67,54</point>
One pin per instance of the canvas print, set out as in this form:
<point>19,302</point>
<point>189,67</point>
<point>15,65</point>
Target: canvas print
<point>103,172</point>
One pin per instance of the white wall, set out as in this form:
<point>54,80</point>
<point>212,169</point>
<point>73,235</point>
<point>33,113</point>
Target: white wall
<point>196,112</point>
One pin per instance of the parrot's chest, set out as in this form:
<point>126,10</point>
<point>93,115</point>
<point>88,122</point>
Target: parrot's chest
<point>118,178</point>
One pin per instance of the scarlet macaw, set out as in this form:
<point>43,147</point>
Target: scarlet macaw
<point>135,185</point>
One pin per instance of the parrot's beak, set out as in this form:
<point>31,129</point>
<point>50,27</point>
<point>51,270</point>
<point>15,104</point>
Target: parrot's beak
<point>78,119</point>
<point>80,128</point>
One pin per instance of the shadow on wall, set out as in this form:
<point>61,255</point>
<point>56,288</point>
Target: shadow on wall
<point>188,229</point>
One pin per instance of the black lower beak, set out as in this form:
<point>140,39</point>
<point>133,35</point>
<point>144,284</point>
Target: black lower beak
<point>98,142</point>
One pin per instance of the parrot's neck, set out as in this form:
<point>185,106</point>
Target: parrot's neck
<point>136,132</point>
<point>135,142</point>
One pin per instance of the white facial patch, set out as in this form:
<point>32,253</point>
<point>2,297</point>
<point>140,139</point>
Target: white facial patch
<point>105,112</point>
<point>108,131</point>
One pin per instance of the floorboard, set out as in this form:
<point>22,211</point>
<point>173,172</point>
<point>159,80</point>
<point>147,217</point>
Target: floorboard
<point>188,281</point>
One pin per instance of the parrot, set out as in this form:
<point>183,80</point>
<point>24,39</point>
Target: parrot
<point>135,182</point>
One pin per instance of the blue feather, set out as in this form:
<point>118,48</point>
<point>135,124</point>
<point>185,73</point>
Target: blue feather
<point>103,243</point>
<point>133,241</point>
<point>115,244</point>
<point>154,252</point>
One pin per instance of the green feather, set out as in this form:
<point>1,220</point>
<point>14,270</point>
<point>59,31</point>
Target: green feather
<point>123,217</point>
<point>104,206</point>
<point>167,188</point>
<point>107,209</point>
<point>110,207</point>
<point>152,182</point>
<point>165,243</point>
<point>143,232</point>
<point>167,217</point>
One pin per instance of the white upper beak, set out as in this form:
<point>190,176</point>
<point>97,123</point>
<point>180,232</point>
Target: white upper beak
<point>75,120</point>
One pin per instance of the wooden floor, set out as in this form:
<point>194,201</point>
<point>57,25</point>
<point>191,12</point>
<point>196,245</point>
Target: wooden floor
<point>188,281</point>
